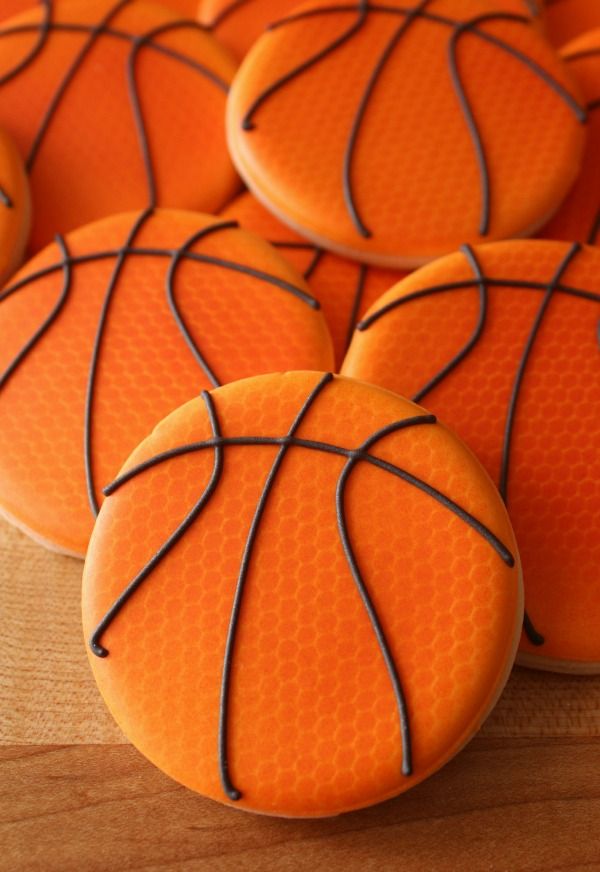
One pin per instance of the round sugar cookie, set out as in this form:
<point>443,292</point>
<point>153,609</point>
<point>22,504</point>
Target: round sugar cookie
<point>239,24</point>
<point>394,134</point>
<point>15,207</point>
<point>302,595</point>
<point>114,106</point>
<point>579,216</point>
<point>111,328</point>
<point>566,19</point>
<point>344,287</point>
<point>501,342</point>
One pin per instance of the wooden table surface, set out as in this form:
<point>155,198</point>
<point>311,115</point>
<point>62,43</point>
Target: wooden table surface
<point>75,797</point>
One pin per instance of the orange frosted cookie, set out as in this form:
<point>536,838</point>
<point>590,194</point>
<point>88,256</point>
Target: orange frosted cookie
<point>566,19</point>
<point>344,288</point>
<point>15,207</point>
<point>579,216</point>
<point>302,595</point>
<point>501,342</point>
<point>109,329</point>
<point>393,133</point>
<point>114,106</point>
<point>239,23</point>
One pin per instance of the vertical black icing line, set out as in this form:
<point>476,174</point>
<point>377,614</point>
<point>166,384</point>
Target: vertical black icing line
<point>96,639</point>
<point>361,9</point>
<point>43,30</point>
<point>18,359</point>
<point>593,236</point>
<point>476,335</point>
<point>378,630</point>
<point>350,150</point>
<point>170,288</point>
<point>356,303</point>
<point>315,261</point>
<point>518,382</point>
<point>94,33</point>
<point>91,384</point>
<point>231,791</point>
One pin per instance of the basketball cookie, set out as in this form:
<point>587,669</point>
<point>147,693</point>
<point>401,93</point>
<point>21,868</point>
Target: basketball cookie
<point>344,288</point>
<point>579,216</point>
<point>114,106</point>
<point>394,133</point>
<point>302,595</point>
<point>239,24</point>
<point>501,342</point>
<point>114,326</point>
<point>566,19</point>
<point>15,207</point>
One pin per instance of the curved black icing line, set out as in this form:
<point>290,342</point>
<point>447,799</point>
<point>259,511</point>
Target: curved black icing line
<point>318,254</point>
<point>356,303</point>
<point>91,385</point>
<point>327,448</point>
<point>378,630</point>
<point>361,9</point>
<point>43,31</point>
<point>232,792</point>
<point>95,640</point>
<point>18,359</point>
<point>170,288</point>
<point>463,285</point>
<point>418,11</point>
<point>350,149</point>
<point>518,382</point>
<point>275,281</point>
<point>593,237</point>
<point>476,335</point>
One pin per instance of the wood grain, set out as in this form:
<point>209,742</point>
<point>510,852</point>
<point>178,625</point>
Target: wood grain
<point>74,797</point>
<point>531,805</point>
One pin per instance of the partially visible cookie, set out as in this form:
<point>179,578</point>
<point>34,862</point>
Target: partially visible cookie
<point>344,288</point>
<point>114,106</point>
<point>579,216</point>
<point>239,24</point>
<point>109,329</point>
<point>302,595</point>
<point>566,19</point>
<point>394,134</point>
<point>15,207</point>
<point>501,342</point>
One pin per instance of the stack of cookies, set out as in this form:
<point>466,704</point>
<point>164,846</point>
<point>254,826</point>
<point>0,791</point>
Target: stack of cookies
<point>300,350</point>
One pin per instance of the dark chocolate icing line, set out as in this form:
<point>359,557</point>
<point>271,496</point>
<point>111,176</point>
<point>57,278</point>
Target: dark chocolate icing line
<point>326,448</point>
<point>170,288</point>
<point>72,27</point>
<point>361,10</point>
<point>593,237</point>
<point>463,285</point>
<point>378,630</point>
<point>356,303</point>
<point>43,31</point>
<point>459,28</point>
<point>350,149</point>
<point>581,55</point>
<point>5,200</point>
<point>167,253</point>
<point>232,792</point>
<point>91,385</point>
<point>315,261</point>
<point>29,345</point>
<point>518,382</point>
<point>95,32</point>
<point>95,641</point>
<point>300,246</point>
<point>476,335</point>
